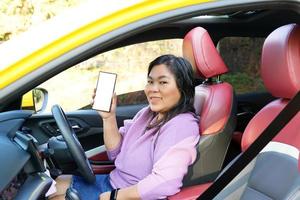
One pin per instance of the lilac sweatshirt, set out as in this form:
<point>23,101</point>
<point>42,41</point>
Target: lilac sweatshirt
<point>155,162</point>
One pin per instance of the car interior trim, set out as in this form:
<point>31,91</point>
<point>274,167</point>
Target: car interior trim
<point>95,151</point>
<point>282,148</point>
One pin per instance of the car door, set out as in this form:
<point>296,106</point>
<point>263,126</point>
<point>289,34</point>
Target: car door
<point>87,125</point>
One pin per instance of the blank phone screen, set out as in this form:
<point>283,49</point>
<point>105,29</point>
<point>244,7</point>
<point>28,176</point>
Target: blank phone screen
<point>104,91</point>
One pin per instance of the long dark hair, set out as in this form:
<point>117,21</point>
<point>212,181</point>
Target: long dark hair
<point>184,76</point>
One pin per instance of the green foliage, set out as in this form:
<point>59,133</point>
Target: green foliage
<point>243,82</point>
<point>37,94</point>
<point>242,56</point>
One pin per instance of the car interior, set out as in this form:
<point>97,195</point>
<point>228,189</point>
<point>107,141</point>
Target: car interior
<point>72,143</point>
<point>264,178</point>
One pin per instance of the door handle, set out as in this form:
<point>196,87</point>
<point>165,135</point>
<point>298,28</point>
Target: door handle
<point>76,127</point>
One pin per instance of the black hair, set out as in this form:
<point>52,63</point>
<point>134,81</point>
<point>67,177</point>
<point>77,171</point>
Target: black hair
<point>184,76</point>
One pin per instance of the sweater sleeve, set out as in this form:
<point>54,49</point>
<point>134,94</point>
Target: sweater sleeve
<point>168,172</point>
<point>112,154</point>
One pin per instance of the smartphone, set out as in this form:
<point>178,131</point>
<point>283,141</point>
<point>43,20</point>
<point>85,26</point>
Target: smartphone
<point>104,91</point>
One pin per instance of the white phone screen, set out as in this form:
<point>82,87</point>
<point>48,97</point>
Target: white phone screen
<point>104,91</point>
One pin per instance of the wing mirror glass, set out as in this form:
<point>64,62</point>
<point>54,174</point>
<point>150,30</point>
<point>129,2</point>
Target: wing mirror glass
<point>35,100</point>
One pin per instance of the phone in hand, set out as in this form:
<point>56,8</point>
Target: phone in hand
<point>104,91</point>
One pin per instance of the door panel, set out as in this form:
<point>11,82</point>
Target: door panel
<point>87,125</point>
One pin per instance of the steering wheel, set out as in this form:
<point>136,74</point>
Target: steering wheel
<point>73,144</point>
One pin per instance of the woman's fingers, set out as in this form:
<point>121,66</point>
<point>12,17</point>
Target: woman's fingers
<point>114,102</point>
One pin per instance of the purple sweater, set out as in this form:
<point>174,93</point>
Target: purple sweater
<point>155,162</point>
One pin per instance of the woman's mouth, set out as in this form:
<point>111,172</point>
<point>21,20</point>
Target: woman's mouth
<point>154,99</point>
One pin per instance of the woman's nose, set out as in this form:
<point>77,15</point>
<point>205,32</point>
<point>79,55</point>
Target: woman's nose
<point>154,87</point>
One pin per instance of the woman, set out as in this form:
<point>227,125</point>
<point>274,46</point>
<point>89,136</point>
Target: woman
<point>152,151</point>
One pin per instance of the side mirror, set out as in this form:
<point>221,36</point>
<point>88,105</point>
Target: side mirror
<point>35,100</point>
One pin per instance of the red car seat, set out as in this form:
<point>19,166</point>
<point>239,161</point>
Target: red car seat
<point>214,103</point>
<point>275,172</point>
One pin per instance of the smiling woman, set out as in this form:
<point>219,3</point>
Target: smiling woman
<point>152,151</point>
<point>170,88</point>
<point>161,90</point>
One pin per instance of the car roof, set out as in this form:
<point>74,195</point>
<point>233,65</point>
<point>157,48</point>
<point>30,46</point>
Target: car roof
<point>248,23</point>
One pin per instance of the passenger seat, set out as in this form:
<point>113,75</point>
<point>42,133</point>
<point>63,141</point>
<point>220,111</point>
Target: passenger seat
<point>214,103</point>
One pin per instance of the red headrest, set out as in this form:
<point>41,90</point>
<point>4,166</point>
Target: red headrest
<point>280,66</point>
<point>200,50</point>
<point>280,69</point>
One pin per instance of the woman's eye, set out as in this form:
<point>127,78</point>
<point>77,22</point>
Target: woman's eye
<point>149,82</point>
<point>163,82</point>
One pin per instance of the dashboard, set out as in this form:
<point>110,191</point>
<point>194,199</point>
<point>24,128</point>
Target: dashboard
<point>10,192</point>
<point>22,170</point>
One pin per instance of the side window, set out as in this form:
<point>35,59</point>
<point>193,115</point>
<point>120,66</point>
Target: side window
<point>73,88</point>
<point>242,56</point>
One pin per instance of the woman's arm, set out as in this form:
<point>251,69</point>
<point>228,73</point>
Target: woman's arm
<point>112,137</point>
<point>167,174</point>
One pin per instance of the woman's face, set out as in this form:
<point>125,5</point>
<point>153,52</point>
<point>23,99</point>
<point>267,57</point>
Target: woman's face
<point>161,89</point>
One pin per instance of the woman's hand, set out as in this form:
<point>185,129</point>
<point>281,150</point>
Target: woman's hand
<point>104,196</point>
<point>112,113</point>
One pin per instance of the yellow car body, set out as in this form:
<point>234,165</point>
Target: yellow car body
<point>60,36</point>
<point>28,101</point>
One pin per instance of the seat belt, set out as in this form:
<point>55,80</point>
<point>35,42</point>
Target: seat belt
<point>289,111</point>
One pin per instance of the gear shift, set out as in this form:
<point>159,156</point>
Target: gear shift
<point>72,194</point>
